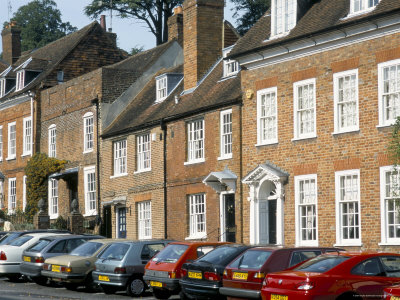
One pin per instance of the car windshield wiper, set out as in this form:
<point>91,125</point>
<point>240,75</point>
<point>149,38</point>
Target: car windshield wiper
<point>206,261</point>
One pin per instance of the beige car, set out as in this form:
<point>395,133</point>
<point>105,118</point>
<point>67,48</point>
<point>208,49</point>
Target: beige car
<point>75,269</point>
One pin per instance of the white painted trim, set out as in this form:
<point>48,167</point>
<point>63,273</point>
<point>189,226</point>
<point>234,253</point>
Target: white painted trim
<point>24,145</point>
<point>222,216</point>
<point>24,200</point>
<point>221,130</point>
<point>50,204</point>
<point>11,156</point>
<point>50,129</point>
<point>197,235</point>
<point>87,115</point>
<point>10,180</point>
<point>271,90</point>
<point>86,171</point>
<point>1,143</point>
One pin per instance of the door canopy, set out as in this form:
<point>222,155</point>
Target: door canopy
<point>221,181</point>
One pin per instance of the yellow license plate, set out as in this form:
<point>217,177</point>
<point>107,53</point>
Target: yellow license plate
<point>155,283</point>
<point>240,276</point>
<point>27,259</point>
<point>56,268</point>
<point>195,275</point>
<point>103,278</point>
<point>394,298</point>
<point>278,297</point>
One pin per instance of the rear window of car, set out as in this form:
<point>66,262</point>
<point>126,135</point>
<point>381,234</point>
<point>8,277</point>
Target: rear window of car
<point>220,255</point>
<point>8,238</point>
<point>20,241</point>
<point>252,259</point>
<point>171,253</point>
<point>391,264</point>
<point>86,249</point>
<point>39,246</point>
<point>115,251</point>
<point>321,264</point>
<point>299,256</point>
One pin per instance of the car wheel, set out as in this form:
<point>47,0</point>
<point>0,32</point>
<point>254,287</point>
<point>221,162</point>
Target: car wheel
<point>71,286</point>
<point>135,287</point>
<point>13,278</point>
<point>161,294</point>
<point>108,289</point>
<point>348,296</point>
<point>90,285</point>
<point>40,280</point>
<point>183,296</point>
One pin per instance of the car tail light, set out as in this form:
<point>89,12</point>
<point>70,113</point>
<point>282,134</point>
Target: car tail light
<point>305,286</point>
<point>39,260</point>
<point>3,255</point>
<point>183,273</point>
<point>46,267</point>
<point>226,275</point>
<point>265,282</point>
<point>258,277</point>
<point>212,276</point>
<point>172,275</point>
<point>66,269</point>
<point>119,270</point>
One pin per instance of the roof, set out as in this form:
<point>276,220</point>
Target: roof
<point>3,65</point>
<point>323,16</point>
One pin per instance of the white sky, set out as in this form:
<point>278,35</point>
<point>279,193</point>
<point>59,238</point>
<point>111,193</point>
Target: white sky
<point>130,33</point>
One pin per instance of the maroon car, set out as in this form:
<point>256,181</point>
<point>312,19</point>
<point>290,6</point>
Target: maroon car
<point>243,277</point>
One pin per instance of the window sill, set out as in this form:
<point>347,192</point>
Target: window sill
<point>384,125</point>
<point>307,244</point>
<point>397,243</point>
<point>26,154</point>
<point>194,162</point>
<point>90,214</point>
<point>145,238</point>
<point>348,131</point>
<point>225,157</point>
<point>142,171</point>
<point>53,217</point>
<point>88,151</point>
<point>119,175</point>
<point>11,158</point>
<point>199,236</point>
<point>304,138</point>
<point>358,244</point>
<point>274,142</point>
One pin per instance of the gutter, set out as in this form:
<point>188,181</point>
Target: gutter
<point>164,129</point>
<point>96,102</point>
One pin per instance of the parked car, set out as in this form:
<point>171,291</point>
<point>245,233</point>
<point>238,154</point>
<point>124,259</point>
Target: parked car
<point>121,265</point>
<point>33,257</point>
<point>392,293</point>
<point>202,278</point>
<point>162,273</point>
<point>243,277</point>
<point>335,276</point>
<point>76,268</point>
<point>11,254</point>
<point>12,235</point>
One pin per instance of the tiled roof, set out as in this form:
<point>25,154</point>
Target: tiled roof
<point>324,15</point>
<point>3,65</point>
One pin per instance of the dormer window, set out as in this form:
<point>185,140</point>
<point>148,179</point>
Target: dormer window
<point>20,80</point>
<point>231,67</point>
<point>284,14</point>
<point>2,87</point>
<point>360,6</point>
<point>165,84</point>
<point>161,88</point>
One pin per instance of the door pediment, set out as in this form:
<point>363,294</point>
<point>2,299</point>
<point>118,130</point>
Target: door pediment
<point>266,171</point>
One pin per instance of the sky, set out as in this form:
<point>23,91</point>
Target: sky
<point>130,33</point>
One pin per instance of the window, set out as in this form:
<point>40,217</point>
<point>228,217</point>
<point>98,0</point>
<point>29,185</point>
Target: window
<point>120,158</point>
<point>53,198</point>
<point>90,190</point>
<point>306,210</point>
<point>88,132</point>
<point>359,6</point>
<point>52,141</point>
<point>20,80</point>
<point>12,140</point>
<point>2,87</point>
<point>27,138</point>
<point>304,109</point>
<point>389,92</point>
<point>143,152</point>
<point>24,193</point>
<point>197,218</point>
<point>12,195</point>
<point>144,219</point>
<point>195,141</point>
<point>60,77</point>
<point>231,67</point>
<point>283,16</point>
<point>346,101</point>
<point>267,116</point>
<point>161,88</point>
<point>1,143</point>
<point>348,231</point>
<point>226,134</point>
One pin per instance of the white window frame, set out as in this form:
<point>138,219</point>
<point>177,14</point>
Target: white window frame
<point>383,120</point>
<point>88,132</point>
<point>144,220</point>
<point>226,134</point>
<point>20,82</point>
<point>89,174</point>
<point>162,88</point>
<point>281,19</point>
<point>24,199</point>
<point>312,204</point>
<point>195,141</point>
<point>1,143</point>
<point>340,240</point>
<point>2,87</point>
<point>197,201</point>
<point>53,199</point>
<point>120,151</point>
<point>27,136</point>
<point>336,91</point>
<point>272,116</point>
<point>12,195</point>
<point>143,153</point>
<point>296,86</point>
<point>363,6</point>
<point>12,141</point>
<point>52,140</point>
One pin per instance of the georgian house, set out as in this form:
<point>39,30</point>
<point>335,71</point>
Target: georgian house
<point>21,85</point>
<point>321,91</point>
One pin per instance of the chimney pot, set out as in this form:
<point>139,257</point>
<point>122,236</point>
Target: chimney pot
<point>103,22</point>
<point>178,10</point>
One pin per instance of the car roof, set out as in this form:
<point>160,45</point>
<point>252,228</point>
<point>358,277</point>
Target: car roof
<point>45,234</point>
<point>197,243</point>
<point>278,248</point>
<point>364,253</point>
<point>63,237</point>
<point>139,241</point>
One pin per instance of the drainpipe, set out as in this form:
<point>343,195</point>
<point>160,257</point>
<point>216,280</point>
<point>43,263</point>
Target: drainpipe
<point>164,129</point>
<point>32,96</point>
<point>96,102</point>
<point>241,169</point>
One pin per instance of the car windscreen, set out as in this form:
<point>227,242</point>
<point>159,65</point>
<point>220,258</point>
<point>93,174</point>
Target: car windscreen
<point>39,246</point>
<point>171,253</point>
<point>321,264</point>
<point>252,259</point>
<point>220,255</point>
<point>115,251</point>
<point>86,249</point>
<point>8,238</point>
<point>20,241</point>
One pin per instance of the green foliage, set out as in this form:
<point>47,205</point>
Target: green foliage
<point>247,13</point>
<point>394,144</point>
<point>37,170</point>
<point>40,23</point>
<point>60,223</point>
<point>137,49</point>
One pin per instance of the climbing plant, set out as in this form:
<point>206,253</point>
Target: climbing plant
<point>37,171</point>
<point>394,143</point>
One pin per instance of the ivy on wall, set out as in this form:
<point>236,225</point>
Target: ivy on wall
<point>394,144</point>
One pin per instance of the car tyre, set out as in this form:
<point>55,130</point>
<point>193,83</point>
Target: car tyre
<point>161,294</point>
<point>109,290</point>
<point>348,296</point>
<point>183,296</point>
<point>135,287</point>
<point>13,278</point>
<point>90,285</point>
<point>40,280</point>
<point>71,286</point>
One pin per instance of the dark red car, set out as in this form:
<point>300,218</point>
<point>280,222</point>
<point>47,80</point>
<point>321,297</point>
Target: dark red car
<point>392,293</point>
<point>243,277</point>
<point>335,276</point>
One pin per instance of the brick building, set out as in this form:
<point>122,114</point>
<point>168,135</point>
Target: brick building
<point>321,91</point>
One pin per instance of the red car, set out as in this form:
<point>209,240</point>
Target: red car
<point>337,276</point>
<point>244,276</point>
<point>392,293</point>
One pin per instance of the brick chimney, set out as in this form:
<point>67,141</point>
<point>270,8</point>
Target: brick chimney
<point>11,37</point>
<point>202,32</point>
<point>175,25</point>
<point>103,22</point>
<point>112,36</point>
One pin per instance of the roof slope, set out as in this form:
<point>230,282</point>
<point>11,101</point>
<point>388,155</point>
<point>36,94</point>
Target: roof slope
<point>3,65</point>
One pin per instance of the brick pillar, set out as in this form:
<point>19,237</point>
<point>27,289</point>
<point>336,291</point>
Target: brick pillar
<point>75,219</point>
<point>11,38</point>
<point>175,25</point>
<point>41,219</point>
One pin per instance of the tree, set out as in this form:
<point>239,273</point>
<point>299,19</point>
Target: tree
<point>247,13</point>
<point>40,23</point>
<point>154,13</point>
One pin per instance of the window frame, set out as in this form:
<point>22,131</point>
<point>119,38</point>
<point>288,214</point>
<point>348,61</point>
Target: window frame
<point>289,21</point>
<point>1,142</point>
<point>340,240</point>
<point>27,136</point>
<point>162,88</point>
<point>364,3</point>
<point>260,140</point>
<point>20,80</point>
<point>120,166</point>
<point>24,199</point>
<point>12,141</point>
<point>52,140</point>
<point>191,142</point>
<point>12,195</point>
<point>141,151</point>
<point>53,198</point>
<point>88,136</point>
<point>144,220</point>
<point>193,222</point>
<point>90,190</point>
<point>226,137</point>
<point>2,87</point>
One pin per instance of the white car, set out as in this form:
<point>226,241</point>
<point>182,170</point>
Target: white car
<point>11,254</point>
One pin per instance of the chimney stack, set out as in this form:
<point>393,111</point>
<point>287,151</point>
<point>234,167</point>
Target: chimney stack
<point>202,42</point>
<point>11,38</point>
<point>112,36</point>
<point>103,22</point>
<point>175,25</point>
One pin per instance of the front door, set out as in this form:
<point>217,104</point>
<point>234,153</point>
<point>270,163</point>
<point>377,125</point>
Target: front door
<point>106,227</point>
<point>72,185</point>
<point>267,222</point>
<point>121,232</point>
<point>229,218</point>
